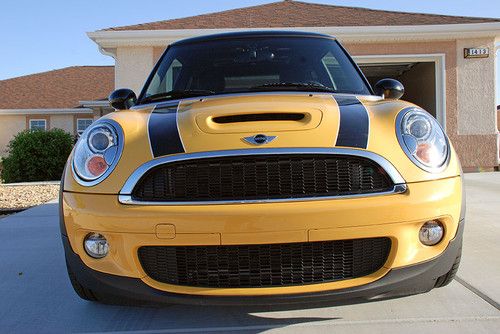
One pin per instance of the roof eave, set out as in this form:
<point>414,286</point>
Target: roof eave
<point>113,39</point>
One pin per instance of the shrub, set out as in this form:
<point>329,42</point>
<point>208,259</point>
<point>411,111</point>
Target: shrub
<point>36,156</point>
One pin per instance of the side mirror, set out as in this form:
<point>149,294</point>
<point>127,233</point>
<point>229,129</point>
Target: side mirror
<point>122,98</point>
<point>389,89</point>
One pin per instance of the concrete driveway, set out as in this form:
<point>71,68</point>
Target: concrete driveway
<point>36,296</point>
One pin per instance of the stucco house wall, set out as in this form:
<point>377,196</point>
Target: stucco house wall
<point>476,89</point>
<point>11,125</point>
<point>141,59</point>
<point>64,122</point>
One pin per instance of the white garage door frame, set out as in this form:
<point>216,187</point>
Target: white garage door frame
<point>440,74</point>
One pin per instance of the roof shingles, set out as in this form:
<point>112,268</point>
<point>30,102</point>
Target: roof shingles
<point>62,88</point>
<point>301,14</point>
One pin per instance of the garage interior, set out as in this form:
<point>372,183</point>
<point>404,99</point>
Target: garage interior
<point>418,78</point>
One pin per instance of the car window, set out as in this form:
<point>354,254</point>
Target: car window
<point>244,65</point>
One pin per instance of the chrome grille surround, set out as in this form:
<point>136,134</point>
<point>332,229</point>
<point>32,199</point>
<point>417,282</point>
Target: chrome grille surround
<point>125,196</point>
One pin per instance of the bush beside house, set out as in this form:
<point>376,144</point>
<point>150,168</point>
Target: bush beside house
<point>36,156</point>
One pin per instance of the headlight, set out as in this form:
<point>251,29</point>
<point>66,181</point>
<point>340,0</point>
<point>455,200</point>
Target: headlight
<point>97,152</point>
<point>422,139</point>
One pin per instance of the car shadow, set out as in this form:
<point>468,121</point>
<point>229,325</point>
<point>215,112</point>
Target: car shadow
<point>192,319</point>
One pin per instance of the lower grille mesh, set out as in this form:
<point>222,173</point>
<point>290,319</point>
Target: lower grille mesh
<point>268,265</point>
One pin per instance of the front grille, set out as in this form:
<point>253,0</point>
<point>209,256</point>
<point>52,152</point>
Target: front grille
<point>261,177</point>
<point>244,266</point>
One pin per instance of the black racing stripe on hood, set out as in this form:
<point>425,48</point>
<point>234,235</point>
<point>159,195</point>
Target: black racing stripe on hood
<point>354,123</point>
<point>163,132</point>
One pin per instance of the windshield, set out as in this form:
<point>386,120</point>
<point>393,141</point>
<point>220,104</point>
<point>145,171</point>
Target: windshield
<point>253,64</point>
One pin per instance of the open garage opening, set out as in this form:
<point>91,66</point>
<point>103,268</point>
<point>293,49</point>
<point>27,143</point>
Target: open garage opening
<point>418,78</point>
<point>423,77</point>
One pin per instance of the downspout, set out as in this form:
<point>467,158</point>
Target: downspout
<point>111,53</point>
<point>107,52</point>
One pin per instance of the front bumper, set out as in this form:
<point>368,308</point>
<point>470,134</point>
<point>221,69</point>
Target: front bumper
<point>397,282</point>
<point>397,216</point>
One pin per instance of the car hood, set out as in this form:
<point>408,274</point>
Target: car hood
<point>293,120</point>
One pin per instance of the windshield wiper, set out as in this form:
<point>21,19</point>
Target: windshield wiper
<point>176,94</point>
<point>307,86</point>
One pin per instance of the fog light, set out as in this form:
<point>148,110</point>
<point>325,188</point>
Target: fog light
<point>431,233</point>
<point>96,245</point>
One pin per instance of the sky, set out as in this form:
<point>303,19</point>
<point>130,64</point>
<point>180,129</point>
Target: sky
<point>39,35</point>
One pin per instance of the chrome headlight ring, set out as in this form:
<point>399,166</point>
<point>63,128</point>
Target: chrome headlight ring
<point>97,152</point>
<point>423,139</point>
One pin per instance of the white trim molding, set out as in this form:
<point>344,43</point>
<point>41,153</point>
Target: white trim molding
<point>95,103</point>
<point>46,111</point>
<point>108,39</point>
<point>440,74</point>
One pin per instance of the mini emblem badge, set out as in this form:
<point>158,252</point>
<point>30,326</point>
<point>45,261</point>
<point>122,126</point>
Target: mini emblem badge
<point>259,139</point>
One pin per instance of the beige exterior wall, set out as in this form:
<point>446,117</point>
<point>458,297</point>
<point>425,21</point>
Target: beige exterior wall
<point>476,87</point>
<point>10,125</point>
<point>157,52</point>
<point>64,122</point>
<point>133,65</point>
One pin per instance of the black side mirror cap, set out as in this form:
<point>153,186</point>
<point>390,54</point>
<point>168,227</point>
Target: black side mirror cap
<point>389,89</point>
<point>122,98</point>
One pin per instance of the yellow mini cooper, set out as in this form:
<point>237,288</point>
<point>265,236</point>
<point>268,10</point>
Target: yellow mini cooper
<point>260,168</point>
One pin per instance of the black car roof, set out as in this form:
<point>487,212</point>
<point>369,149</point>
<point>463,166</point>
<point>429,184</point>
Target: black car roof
<point>250,34</point>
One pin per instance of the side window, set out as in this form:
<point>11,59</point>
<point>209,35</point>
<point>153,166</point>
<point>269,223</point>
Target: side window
<point>38,124</point>
<point>82,124</point>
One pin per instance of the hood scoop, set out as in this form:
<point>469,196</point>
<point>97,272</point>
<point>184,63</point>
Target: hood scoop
<point>259,113</point>
<point>258,121</point>
<point>259,117</point>
<point>264,121</point>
